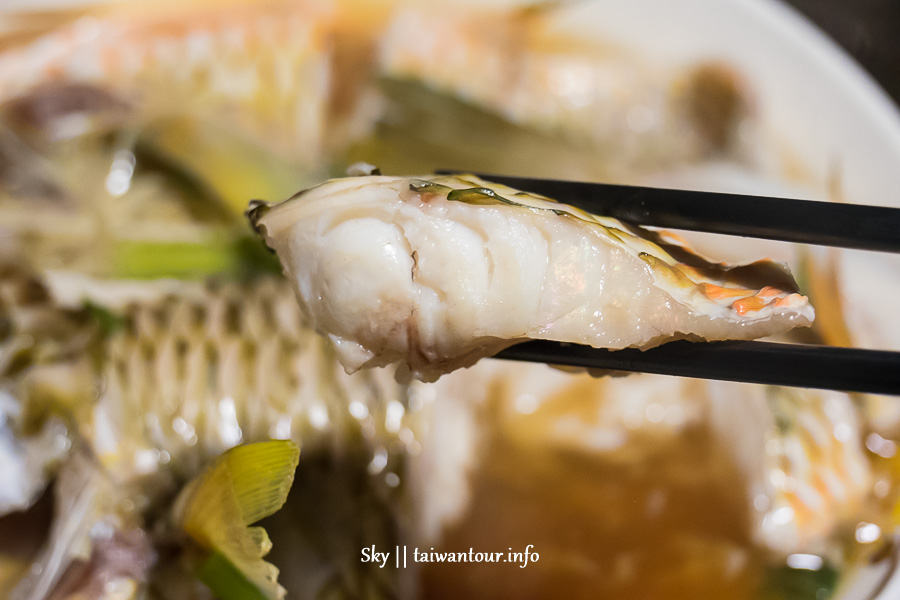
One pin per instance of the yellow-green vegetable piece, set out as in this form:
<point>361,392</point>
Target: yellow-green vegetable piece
<point>244,485</point>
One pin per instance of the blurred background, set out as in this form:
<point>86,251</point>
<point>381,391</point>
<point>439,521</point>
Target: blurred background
<point>868,29</point>
<point>123,183</point>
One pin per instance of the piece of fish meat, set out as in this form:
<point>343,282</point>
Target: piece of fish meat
<point>436,272</point>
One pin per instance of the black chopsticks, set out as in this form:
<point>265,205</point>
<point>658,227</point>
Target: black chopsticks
<point>793,365</point>
<point>801,221</point>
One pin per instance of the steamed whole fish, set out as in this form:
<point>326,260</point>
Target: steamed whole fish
<point>437,272</point>
<point>181,373</point>
<point>123,409</point>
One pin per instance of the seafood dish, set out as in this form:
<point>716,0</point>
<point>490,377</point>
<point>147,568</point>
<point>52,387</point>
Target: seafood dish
<point>437,272</point>
<point>194,406</point>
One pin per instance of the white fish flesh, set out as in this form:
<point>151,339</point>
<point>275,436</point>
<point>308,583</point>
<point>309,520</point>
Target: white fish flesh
<point>437,272</point>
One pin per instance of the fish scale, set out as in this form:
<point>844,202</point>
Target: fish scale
<point>233,365</point>
<point>184,377</point>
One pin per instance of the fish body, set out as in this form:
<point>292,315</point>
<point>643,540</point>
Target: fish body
<point>261,65</point>
<point>511,62</point>
<point>125,402</point>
